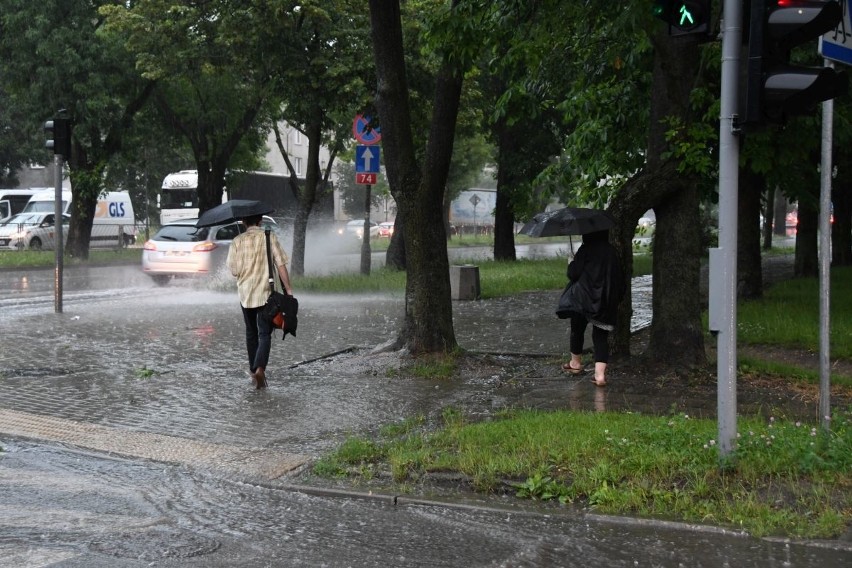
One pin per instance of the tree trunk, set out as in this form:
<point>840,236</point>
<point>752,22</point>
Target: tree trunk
<point>211,185</point>
<point>86,180</point>
<point>841,229</point>
<point>428,322</point>
<point>807,258</point>
<point>504,216</point>
<point>768,212</point>
<point>779,222</point>
<point>395,255</point>
<point>749,272</point>
<point>677,337</point>
<point>626,208</point>
<point>676,334</point>
<point>308,195</point>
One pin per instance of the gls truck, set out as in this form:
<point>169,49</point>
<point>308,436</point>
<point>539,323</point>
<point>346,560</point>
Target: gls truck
<point>114,224</point>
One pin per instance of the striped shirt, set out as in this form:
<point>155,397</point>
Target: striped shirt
<point>247,261</point>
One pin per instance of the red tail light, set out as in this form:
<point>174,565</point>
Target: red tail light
<point>149,245</point>
<point>206,246</point>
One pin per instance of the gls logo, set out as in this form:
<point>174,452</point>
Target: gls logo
<point>116,209</point>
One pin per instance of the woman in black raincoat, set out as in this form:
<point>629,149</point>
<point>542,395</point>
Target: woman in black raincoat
<point>595,289</point>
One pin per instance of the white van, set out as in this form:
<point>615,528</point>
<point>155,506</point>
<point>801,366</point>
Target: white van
<point>114,223</point>
<point>13,201</point>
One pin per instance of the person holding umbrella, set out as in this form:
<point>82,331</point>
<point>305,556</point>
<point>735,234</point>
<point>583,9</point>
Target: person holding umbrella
<point>247,261</point>
<point>595,289</point>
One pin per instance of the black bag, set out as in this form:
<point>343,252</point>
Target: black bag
<point>566,307</point>
<point>280,309</point>
<point>275,307</point>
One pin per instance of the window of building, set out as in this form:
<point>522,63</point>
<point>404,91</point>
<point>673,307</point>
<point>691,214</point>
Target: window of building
<point>298,164</point>
<point>297,137</point>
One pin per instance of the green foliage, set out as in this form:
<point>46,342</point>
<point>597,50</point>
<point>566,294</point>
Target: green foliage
<point>544,488</point>
<point>146,373</point>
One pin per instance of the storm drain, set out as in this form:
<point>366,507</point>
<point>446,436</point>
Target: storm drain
<point>252,462</point>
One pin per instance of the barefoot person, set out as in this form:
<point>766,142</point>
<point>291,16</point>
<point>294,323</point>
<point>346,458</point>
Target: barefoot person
<point>597,286</point>
<point>247,261</point>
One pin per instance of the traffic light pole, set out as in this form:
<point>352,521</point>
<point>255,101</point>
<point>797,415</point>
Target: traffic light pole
<point>826,168</point>
<point>57,224</point>
<point>723,260</point>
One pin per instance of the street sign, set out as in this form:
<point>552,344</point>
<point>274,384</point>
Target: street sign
<point>837,44</point>
<point>368,178</point>
<point>367,159</point>
<point>362,131</point>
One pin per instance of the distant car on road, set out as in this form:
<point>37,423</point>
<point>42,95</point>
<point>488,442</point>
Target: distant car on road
<point>386,229</point>
<point>180,249</point>
<point>355,228</point>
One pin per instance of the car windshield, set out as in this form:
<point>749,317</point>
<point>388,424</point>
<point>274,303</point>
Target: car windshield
<point>26,219</point>
<point>182,233</point>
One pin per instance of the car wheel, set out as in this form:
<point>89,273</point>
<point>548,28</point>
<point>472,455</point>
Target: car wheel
<point>35,244</point>
<point>160,279</point>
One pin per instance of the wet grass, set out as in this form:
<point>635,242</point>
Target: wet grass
<point>47,258</point>
<point>496,278</point>
<point>788,478</point>
<point>788,314</point>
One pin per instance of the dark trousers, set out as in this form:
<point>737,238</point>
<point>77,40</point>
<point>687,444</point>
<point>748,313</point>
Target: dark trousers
<point>258,337</point>
<point>600,339</point>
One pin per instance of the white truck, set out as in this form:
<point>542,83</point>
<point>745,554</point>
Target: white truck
<point>13,201</point>
<point>114,224</point>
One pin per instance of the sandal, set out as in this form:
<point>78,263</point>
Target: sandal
<point>599,384</point>
<point>572,370</point>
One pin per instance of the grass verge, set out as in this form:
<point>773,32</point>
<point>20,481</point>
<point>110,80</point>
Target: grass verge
<point>788,478</point>
<point>47,258</point>
<point>788,314</point>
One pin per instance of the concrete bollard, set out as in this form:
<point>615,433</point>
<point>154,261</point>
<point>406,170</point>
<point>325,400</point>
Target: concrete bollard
<point>464,282</point>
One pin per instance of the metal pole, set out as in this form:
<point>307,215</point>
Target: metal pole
<point>57,224</point>
<point>366,256</point>
<point>825,261</point>
<point>728,195</point>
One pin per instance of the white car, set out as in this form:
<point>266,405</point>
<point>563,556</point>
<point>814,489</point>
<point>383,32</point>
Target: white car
<point>180,249</point>
<point>36,231</point>
<point>355,228</point>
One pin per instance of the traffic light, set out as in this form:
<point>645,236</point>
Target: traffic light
<point>684,17</point>
<point>776,89</point>
<point>58,132</point>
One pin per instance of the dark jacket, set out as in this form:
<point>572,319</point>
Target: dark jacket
<point>596,281</point>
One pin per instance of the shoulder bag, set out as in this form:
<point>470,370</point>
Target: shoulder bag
<point>277,302</point>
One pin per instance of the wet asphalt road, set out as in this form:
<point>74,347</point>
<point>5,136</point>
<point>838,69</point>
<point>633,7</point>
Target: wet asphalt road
<point>165,366</point>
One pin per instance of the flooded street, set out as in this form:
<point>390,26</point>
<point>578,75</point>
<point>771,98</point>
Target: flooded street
<point>132,438</point>
<point>73,510</point>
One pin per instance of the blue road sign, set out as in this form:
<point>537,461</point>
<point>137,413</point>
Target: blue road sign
<point>837,44</point>
<point>366,159</point>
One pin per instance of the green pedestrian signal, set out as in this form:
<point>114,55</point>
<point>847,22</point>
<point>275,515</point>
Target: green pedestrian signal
<point>684,17</point>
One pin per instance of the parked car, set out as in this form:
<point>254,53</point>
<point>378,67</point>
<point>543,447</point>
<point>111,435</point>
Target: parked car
<point>386,229</point>
<point>36,231</point>
<point>355,228</point>
<point>181,249</point>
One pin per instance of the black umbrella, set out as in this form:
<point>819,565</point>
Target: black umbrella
<point>231,211</point>
<point>568,221</point>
